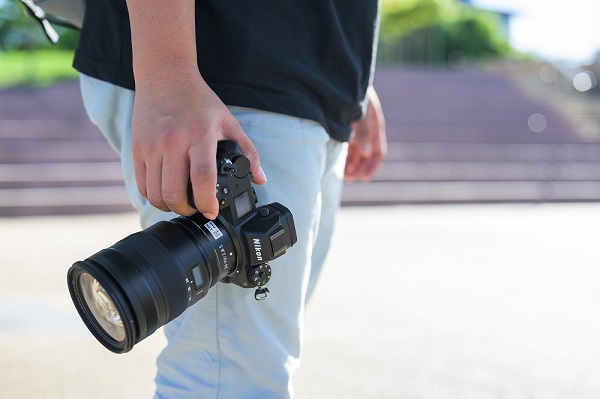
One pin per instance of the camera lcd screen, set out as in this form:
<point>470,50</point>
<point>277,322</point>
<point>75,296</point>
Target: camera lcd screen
<point>243,204</point>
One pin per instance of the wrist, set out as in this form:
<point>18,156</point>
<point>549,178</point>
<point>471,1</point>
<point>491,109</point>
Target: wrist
<point>165,70</point>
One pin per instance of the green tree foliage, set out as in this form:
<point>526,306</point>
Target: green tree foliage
<point>434,31</point>
<point>18,31</point>
<point>27,57</point>
<point>401,17</point>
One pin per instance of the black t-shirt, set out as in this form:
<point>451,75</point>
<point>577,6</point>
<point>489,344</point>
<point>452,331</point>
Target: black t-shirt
<point>307,58</point>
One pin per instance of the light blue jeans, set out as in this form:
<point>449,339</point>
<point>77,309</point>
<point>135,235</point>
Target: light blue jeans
<point>229,345</point>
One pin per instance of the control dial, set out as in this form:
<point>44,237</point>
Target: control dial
<point>259,275</point>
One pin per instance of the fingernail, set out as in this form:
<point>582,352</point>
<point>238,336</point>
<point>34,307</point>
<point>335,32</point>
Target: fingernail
<point>262,173</point>
<point>209,216</point>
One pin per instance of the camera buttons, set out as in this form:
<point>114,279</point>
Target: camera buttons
<point>225,192</point>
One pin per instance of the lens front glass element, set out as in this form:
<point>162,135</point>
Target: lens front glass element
<point>102,307</point>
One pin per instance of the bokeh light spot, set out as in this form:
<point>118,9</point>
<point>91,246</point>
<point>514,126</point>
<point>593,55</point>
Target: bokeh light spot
<point>457,60</point>
<point>548,74</point>
<point>584,81</point>
<point>537,123</point>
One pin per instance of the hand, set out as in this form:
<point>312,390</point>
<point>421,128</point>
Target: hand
<point>177,118</point>
<point>177,122</point>
<point>368,144</point>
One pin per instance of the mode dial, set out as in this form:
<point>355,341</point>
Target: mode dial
<point>259,275</point>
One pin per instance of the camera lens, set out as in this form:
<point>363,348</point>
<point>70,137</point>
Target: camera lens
<point>127,291</point>
<point>124,293</point>
<point>101,306</point>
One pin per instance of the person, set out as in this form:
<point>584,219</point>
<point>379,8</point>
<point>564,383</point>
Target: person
<point>291,83</point>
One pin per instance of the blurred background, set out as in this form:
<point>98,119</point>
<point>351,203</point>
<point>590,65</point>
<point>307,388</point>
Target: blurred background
<point>484,103</point>
<point>481,225</point>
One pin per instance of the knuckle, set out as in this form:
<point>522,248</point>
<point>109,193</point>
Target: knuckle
<point>172,199</point>
<point>170,139</point>
<point>156,201</point>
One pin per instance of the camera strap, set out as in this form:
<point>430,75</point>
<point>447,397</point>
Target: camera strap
<point>65,13</point>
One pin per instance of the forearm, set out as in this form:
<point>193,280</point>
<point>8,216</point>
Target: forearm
<point>163,37</point>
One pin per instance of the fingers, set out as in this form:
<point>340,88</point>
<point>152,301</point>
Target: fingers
<point>360,164</point>
<point>352,162</point>
<point>364,154</point>
<point>163,180</point>
<point>203,177</point>
<point>162,174</point>
<point>154,184</point>
<point>250,152</point>
<point>139,168</point>
<point>360,152</point>
<point>174,181</point>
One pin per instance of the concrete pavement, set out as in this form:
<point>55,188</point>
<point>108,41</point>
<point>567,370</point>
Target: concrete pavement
<point>463,301</point>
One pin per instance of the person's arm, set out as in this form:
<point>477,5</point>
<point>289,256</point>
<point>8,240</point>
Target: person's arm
<point>368,144</point>
<point>177,118</point>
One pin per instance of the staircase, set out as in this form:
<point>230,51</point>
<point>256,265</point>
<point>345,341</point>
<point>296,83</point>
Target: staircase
<point>480,136</point>
<point>52,159</point>
<point>454,136</point>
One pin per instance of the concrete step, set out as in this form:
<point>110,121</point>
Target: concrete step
<point>84,199</point>
<point>400,192</point>
<point>66,176</point>
<point>501,152</point>
<point>80,173</point>
<point>54,150</point>
<point>48,129</point>
<point>63,200</point>
<point>487,171</point>
<point>482,172</point>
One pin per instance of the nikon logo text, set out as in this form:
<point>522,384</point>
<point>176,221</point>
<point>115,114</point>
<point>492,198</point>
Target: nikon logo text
<point>257,248</point>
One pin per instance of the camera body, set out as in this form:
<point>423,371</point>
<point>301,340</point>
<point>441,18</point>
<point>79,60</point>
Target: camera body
<point>263,235</point>
<point>127,291</point>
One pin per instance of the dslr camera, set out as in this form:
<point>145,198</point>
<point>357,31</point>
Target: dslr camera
<point>127,291</point>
